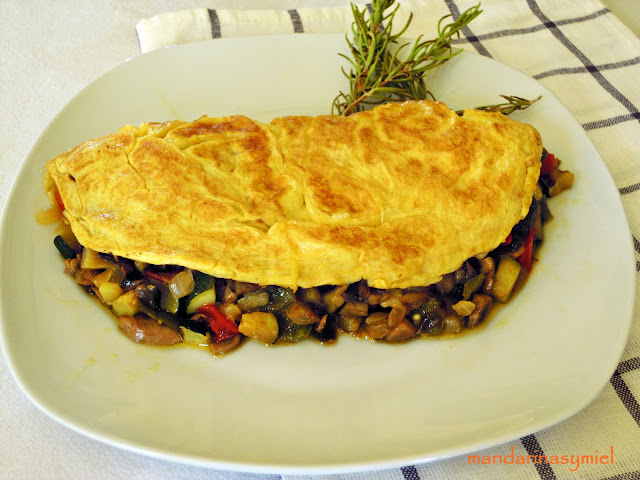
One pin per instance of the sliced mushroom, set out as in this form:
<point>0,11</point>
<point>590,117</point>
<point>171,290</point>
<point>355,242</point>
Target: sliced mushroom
<point>453,323</point>
<point>349,324</point>
<point>447,284</point>
<point>396,315</point>
<point>376,325</point>
<point>335,299</point>
<point>356,309</point>
<point>402,331</point>
<point>142,329</point>
<point>483,304</point>
<point>220,348</point>
<point>488,269</point>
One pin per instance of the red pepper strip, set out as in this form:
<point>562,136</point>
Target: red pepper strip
<point>161,276</point>
<point>527,256</point>
<point>223,328</point>
<point>59,201</point>
<point>548,165</point>
<point>507,241</point>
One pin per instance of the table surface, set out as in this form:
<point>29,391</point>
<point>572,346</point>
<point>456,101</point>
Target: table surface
<point>51,50</point>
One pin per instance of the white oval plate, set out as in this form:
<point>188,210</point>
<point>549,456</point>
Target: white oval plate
<point>309,408</point>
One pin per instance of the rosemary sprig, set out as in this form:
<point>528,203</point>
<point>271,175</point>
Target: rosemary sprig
<point>512,104</point>
<point>379,72</point>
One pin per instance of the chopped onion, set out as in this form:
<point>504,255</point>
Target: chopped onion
<point>48,216</point>
<point>182,284</point>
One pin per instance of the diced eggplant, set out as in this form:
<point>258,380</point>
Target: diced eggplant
<point>311,295</point>
<point>483,305</point>
<point>349,324</point>
<point>148,294</point>
<point>453,323</point>
<point>376,326</point>
<point>253,301</point>
<point>326,330</point>
<point>65,250</point>
<point>428,317</point>
<point>160,316</point>
<point>242,288</point>
<point>402,331</point>
<point>447,284</point>
<point>357,309</point>
<point>335,298</point>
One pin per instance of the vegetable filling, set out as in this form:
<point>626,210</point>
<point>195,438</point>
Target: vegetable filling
<point>169,304</point>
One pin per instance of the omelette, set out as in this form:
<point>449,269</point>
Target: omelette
<point>387,223</point>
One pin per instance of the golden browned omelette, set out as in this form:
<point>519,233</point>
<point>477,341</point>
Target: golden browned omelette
<point>398,196</point>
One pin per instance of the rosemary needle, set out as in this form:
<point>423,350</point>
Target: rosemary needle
<point>512,104</point>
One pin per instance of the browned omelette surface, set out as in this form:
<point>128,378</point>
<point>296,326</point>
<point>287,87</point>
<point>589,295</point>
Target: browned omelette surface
<point>398,195</point>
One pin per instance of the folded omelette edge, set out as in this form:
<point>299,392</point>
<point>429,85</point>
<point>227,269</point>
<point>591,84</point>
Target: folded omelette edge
<point>399,195</point>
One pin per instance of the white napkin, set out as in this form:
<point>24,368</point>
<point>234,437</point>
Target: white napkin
<point>591,61</point>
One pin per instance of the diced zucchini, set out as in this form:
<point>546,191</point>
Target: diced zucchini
<point>207,297</point>
<point>189,336</point>
<point>262,326</point>
<point>92,260</point>
<point>505,278</point>
<point>109,291</point>
<point>65,250</point>
<point>126,305</point>
<point>203,283</point>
